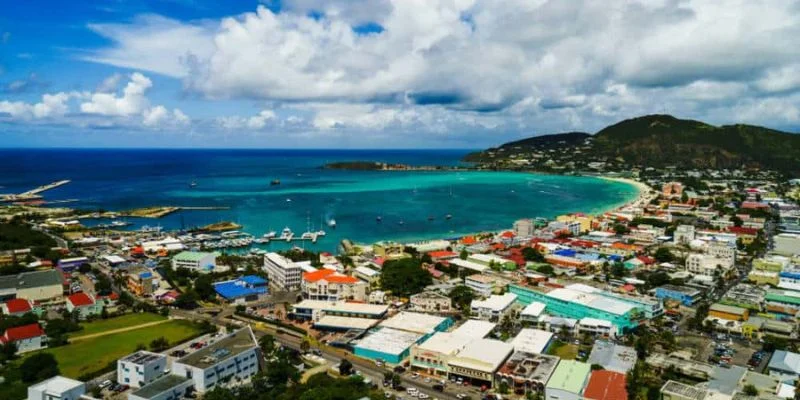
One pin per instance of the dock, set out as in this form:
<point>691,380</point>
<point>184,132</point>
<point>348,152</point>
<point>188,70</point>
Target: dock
<point>33,194</point>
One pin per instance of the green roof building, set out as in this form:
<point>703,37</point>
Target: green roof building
<point>567,381</point>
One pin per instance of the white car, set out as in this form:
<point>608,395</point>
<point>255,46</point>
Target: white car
<point>461,396</point>
<point>423,396</point>
<point>105,384</point>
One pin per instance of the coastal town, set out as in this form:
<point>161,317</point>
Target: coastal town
<point>689,291</point>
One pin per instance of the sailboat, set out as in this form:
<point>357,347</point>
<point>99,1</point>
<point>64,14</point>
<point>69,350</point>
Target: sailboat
<point>193,184</point>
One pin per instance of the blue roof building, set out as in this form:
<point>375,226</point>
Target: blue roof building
<point>245,288</point>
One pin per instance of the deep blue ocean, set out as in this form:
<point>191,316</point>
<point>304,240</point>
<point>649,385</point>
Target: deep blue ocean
<point>308,195</point>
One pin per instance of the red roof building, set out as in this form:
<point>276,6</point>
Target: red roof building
<point>17,307</point>
<point>80,300</point>
<point>507,235</point>
<point>647,260</point>
<point>329,285</point>
<point>742,231</point>
<point>22,332</point>
<point>442,255</point>
<point>606,385</point>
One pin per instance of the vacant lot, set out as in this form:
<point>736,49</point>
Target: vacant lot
<point>125,321</point>
<point>563,350</point>
<point>93,355</point>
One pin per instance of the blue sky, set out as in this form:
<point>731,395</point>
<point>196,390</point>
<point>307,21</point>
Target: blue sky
<point>384,73</point>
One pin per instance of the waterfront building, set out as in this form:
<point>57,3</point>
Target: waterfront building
<point>230,359</point>
<point>202,262</point>
<point>34,286</point>
<point>478,362</point>
<point>164,245</point>
<point>685,295</point>
<point>242,289</point>
<point>494,308</point>
<point>329,285</point>
<point>576,304</point>
<point>57,388</point>
<point>430,302</point>
<point>282,272</point>
<point>141,368</point>
<point>524,227</point>
<point>672,189</point>
<point>389,250</point>
<point>567,381</point>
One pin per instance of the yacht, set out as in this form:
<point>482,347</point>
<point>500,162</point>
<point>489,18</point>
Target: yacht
<point>286,233</point>
<point>307,236</point>
<point>193,184</point>
<point>378,218</point>
<point>448,216</point>
<point>321,233</point>
<point>332,223</point>
<point>270,235</point>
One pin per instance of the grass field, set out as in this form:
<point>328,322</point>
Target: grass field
<point>92,355</point>
<point>563,350</point>
<point>110,324</point>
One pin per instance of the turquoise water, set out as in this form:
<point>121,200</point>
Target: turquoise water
<point>308,196</point>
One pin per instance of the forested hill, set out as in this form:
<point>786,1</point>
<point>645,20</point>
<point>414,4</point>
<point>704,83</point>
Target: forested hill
<point>659,141</point>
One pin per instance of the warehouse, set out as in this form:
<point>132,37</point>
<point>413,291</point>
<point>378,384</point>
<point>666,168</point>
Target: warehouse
<point>33,286</point>
<point>387,344</point>
<point>567,381</point>
<point>424,324</point>
<point>245,288</point>
<point>729,313</point>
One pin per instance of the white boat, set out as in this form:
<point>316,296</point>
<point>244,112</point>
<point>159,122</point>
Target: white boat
<point>332,223</point>
<point>307,236</point>
<point>119,223</point>
<point>270,235</point>
<point>286,234</point>
<point>321,233</point>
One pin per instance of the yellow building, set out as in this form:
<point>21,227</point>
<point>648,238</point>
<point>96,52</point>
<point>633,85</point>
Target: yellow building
<point>389,250</point>
<point>730,313</point>
<point>586,221</point>
<point>763,277</point>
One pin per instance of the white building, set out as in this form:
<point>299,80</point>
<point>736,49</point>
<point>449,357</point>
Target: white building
<point>532,341</point>
<point>230,359</point>
<point>596,327</point>
<point>282,272</point>
<point>329,285</point>
<point>484,285</point>
<point>195,261</point>
<point>532,313</point>
<point>168,243</point>
<point>524,227</point>
<point>787,244</point>
<point>724,250</point>
<point>57,388</point>
<point>430,302</point>
<point>684,234</point>
<point>168,387</point>
<point>707,265</point>
<point>140,368</point>
<point>479,360</point>
<point>494,308</point>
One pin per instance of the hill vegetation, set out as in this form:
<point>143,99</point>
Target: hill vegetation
<point>659,141</point>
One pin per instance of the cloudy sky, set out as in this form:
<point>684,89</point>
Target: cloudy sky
<point>385,73</point>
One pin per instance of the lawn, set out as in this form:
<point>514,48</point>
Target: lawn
<point>92,355</point>
<point>110,324</point>
<point>563,350</point>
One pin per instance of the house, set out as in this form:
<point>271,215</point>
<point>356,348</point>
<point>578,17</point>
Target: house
<point>141,368</point>
<point>18,307</point>
<point>606,385</point>
<point>430,302</point>
<point>230,359</point>
<point>329,285</point>
<point>27,337</point>
<point>57,388</point>
<point>242,289</point>
<point>195,260</point>
<point>84,304</point>
<point>494,308</point>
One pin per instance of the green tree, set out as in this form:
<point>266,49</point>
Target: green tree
<point>305,345</point>
<point>463,254</point>
<point>461,296</point>
<point>204,286</point>
<point>531,254</point>
<point>404,277</point>
<point>38,367</point>
<point>159,344</point>
<point>750,390</point>
<point>345,367</point>
<point>267,344</point>
<point>503,387</point>
<point>663,254</point>
<point>7,352</point>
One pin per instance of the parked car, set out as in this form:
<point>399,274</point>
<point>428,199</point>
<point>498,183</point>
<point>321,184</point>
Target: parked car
<point>104,384</point>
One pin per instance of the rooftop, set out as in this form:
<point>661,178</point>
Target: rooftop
<point>18,306</point>
<point>280,261</point>
<point>142,357</point>
<point>612,357</point>
<point>80,299</point>
<point>334,321</point>
<point>496,302</point>
<point>192,256</point>
<point>446,343</point>
<point>159,386</point>
<point>471,265</point>
<point>591,300</point>
<point>532,340</point>
<point>529,367</point>
<point>344,307</point>
<point>241,287</point>
<point>483,354</point>
<point>534,309</point>
<point>680,289</point>
<point>27,280</point>
<point>606,385</point>
<point>474,329</point>
<point>388,340</point>
<point>414,322</point>
<point>727,309</point>
<point>785,361</point>
<point>684,390</point>
<point>570,376</point>
<point>227,347</point>
<point>57,385</point>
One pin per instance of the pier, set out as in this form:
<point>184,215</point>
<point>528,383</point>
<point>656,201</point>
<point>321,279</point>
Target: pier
<point>33,194</point>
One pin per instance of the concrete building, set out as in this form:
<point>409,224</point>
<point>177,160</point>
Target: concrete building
<point>387,344</point>
<point>478,362</point>
<point>494,308</point>
<point>532,341</point>
<point>232,358</point>
<point>433,355</point>
<point>782,302</point>
<point>282,272</point>
<point>168,387</point>
<point>527,372</point>
<point>613,357</point>
<point>673,390</point>
<point>26,337</point>
<point>576,304</point>
<point>789,278</point>
<point>85,304</point>
<point>39,286</point>
<point>431,302</point>
<point>368,275</point>
<point>729,313</point>
<point>389,250</point>
<point>786,244</point>
<point>57,388</point>
<point>329,285</point>
<point>596,327</point>
<point>685,295</point>
<point>424,324</point>
<point>684,234</point>
<point>524,227</point>
<point>484,285</point>
<point>314,310</point>
<point>141,368</point>
<point>532,313</point>
<point>141,282</point>
<point>242,289</point>
<point>195,261</point>
<point>708,265</point>
<point>567,381</point>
